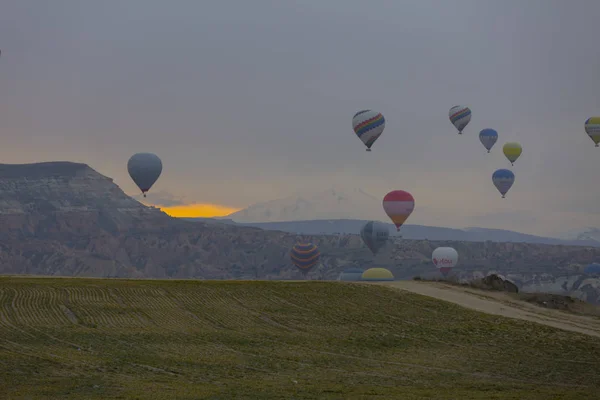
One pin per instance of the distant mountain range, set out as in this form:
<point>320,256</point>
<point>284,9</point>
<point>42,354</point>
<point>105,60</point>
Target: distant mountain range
<point>333,203</point>
<point>592,234</point>
<point>342,210</point>
<point>415,232</point>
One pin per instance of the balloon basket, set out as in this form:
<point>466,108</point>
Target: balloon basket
<point>368,149</point>
<point>503,197</point>
<point>144,194</point>
<point>488,151</point>
<point>597,145</point>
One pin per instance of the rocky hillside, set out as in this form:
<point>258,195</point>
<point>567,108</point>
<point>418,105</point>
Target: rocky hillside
<point>64,218</point>
<point>414,232</point>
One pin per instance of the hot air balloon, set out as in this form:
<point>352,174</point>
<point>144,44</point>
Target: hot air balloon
<point>488,137</point>
<point>592,269</point>
<point>368,126</point>
<point>460,116</point>
<point>144,169</point>
<point>351,274</point>
<point>512,151</point>
<point>398,205</point>
<point>444,258</point>
<point>377,274</point>
<point>592,128</point>
<point>375,235</point>
<point>503,179</point>
<point>305,256</point>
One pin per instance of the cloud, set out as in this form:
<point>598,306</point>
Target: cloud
<point>198,210</point>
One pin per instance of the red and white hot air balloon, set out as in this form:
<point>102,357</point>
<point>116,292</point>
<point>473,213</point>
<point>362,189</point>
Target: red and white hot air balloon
<point>444,258</point>
<point>398,205</point>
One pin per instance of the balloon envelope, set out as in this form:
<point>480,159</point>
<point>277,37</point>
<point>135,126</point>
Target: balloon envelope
<point>368,126</point>
<point>503,180</point>
<point>375,235</point>
<point>398,205</point>
<point>592,128</point>
<point>305,256</point>
<point>488,137</point>
<point>460,116</point>
<point>144,169</point>
<point>512,151</point>
<point>351,274</point>
<point>377,274</point>
<point>444,258</point>
<point>592,269</point>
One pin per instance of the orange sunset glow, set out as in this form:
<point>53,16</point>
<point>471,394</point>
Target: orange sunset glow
<point>198,210</point>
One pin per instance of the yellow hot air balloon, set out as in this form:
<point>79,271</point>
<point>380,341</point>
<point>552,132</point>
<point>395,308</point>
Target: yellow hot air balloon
<point>377,274</point>
<point>512,151</point>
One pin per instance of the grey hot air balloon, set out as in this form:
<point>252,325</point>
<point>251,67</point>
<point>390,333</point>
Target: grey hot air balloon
<point>144,169</point>
<point>375,235</point>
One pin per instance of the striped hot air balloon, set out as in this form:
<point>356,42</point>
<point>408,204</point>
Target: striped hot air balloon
<point>305,256</point>
<point>398,205</point>
<point>368,126</point>
<point>460,116</point>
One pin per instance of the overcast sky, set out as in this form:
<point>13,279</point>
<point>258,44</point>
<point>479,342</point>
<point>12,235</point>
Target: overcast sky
<point>247,101</point>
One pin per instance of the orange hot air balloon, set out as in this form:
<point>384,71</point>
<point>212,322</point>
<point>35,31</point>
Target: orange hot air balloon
<point>398,205</point>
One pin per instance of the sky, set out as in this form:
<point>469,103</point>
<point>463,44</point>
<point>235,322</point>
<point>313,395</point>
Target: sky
<point>249,101</point>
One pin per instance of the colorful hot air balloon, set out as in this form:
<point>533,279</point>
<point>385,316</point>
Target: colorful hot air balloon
<point>460,116</point>
<point>305,256</point>
<point>503,180</point>
<point>444,258</point>
<point>592,128</point>
<point>144,169</point>
<point>398,205</point>
<point>375,235</point>
<point>488,137</point>
<point>512,151</point>
<point>368,126</point>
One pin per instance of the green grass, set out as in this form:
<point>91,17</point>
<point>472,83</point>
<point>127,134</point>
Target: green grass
<point>149,339</point>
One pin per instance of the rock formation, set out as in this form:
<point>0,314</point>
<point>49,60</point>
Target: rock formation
<point>64,218</point>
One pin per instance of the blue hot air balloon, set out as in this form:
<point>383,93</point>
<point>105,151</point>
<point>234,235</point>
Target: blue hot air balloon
<point>351,274</point>
<point>503,180</point>
<point>488,137</point>
<point>305,256</point>
<point>592,269</point>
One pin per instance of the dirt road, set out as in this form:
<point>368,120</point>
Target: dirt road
<point>499,303</point>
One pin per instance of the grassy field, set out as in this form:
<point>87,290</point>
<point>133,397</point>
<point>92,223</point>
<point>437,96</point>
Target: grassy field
<point>144,339</point>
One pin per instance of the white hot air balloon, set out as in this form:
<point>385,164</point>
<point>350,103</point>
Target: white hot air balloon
<point>460,116</point>
<point>444,258</point>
